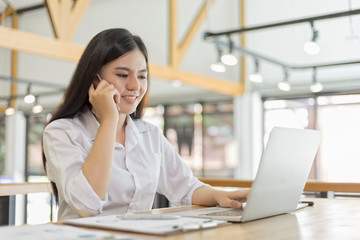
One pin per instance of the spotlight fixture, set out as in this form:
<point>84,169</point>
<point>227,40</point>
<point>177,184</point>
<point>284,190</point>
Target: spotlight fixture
<point>29,98</point>
<point>37,108</point>
<point>9,110</point>
<point>176,83</point>
<point>218,66</point>
<point>284,85</point>
<point>315,86</point>
<point>229,58</point>
<point>256,76</point>
<point>311,47</point>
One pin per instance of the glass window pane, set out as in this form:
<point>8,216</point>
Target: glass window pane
<point>292,113</point>
<point>340,151</point>
<point>38,208</point>
<point>39,205</point>
<point>36,126</point>
<point>182,130</point>
<point>155,115</point>
<point>337,117</point>
<point>219,145</point>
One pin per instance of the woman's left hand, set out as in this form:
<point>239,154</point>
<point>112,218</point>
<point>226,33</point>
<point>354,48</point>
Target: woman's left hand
<point>209,196</point>
<point>231,199</point>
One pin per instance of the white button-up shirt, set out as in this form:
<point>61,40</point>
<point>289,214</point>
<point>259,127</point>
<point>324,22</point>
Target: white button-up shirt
<point>147,164</point>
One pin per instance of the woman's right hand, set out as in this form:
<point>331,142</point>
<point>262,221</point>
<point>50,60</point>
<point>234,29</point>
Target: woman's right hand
<point>104,100</point>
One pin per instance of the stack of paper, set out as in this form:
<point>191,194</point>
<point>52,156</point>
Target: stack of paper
<point>56,232</point>
<point>159,225</point>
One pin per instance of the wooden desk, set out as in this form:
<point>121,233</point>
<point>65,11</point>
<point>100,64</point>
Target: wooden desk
<point>328,219</point>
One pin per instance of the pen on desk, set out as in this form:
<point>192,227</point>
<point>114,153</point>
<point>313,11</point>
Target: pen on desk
<point>309,203</point>
<point>147,217</point>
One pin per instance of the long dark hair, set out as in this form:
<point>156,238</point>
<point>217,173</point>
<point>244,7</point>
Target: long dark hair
<point>105,47</point>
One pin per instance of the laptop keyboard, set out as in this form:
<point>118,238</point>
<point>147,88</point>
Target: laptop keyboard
<point>231,212</point>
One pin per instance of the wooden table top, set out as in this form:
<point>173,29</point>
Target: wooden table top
<point>328,219</point>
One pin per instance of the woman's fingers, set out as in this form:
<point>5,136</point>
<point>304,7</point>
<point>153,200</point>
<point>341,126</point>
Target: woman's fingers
<point>117,97</point>
<point>103,85</point>
<point>235,204</point>
<point>104,90</point>
<point>233,199</point>
<point>239,195</point>
<point>91,89</point>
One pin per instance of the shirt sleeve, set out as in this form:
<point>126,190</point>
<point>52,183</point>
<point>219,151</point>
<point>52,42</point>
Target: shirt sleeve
<point>64,167</point>
<point>176,180</point>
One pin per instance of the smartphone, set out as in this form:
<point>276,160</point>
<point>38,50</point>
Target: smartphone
<point>94,82</point>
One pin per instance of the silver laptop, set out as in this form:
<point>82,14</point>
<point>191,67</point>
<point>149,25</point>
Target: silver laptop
<point>281,177</point>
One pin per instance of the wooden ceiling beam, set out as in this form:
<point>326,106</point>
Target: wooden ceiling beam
<point>54,14</point>
<point>14,61</point>
<point>197,80</point>
<point>64,50</point>
<point>39,45</point>
<point>9,11</point>
<point>65,16</point>
<point>77,13</point>
<point>65,13</point>
<point>194,29</point>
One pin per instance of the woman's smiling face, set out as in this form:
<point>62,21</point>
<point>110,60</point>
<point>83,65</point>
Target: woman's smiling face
<point>129,75</point>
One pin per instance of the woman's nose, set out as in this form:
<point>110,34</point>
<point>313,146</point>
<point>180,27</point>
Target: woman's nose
<point>133,84</point>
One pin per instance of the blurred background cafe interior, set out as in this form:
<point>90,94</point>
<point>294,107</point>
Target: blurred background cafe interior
<point>222,73</point>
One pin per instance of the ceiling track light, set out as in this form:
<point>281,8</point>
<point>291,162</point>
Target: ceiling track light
<point>229,58</point>
<point>284,85</point>
<point>218,66</point>
<point>311,47</point>
<point>176,83</point>
<point>9,110</point>
<point>315,86</point>
<point>256,76</point>
<point>37,108</point>
<point>29,98</point>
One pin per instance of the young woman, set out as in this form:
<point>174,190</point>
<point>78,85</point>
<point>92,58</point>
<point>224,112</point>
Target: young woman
<point>98,153</point>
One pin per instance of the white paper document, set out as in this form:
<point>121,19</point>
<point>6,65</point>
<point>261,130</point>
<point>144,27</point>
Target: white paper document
<point>56,232</point>
<point>151,226</point>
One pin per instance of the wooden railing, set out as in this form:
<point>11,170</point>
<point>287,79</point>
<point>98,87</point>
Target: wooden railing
<point>8,194</point>
<point>311,186</point>
<point>24,188</point>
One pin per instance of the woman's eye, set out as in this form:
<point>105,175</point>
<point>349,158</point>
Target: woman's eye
<point>122,75</point>
<point>142,77</point>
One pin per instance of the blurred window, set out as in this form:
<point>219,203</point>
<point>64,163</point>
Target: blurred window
<point>2,145</point>
<point>337,117</point>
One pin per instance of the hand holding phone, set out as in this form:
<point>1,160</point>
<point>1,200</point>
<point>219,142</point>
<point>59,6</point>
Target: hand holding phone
<point>117,106</point>
<point>104,98</point>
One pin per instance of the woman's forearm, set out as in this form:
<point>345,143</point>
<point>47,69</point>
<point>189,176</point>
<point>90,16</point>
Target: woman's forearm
<point>204,196</point>
<point>98,165</point>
